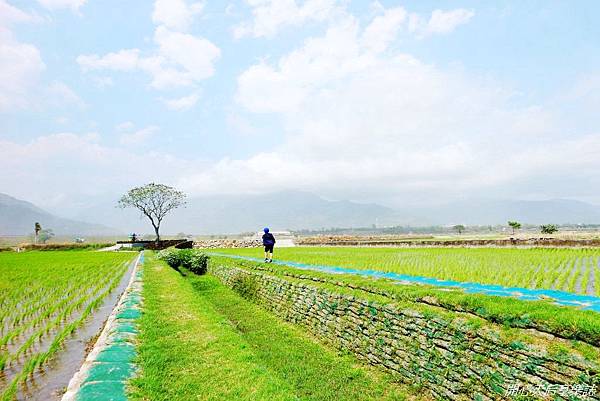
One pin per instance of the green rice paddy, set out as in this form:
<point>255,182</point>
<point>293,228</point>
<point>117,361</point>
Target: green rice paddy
<point>44,297</point>
<point>571,270</point>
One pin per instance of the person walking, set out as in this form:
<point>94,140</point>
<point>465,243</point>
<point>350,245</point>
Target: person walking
<point>269,243</point>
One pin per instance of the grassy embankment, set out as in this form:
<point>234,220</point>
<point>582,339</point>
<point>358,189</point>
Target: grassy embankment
<point>200,340</point>
<point>566,322</point>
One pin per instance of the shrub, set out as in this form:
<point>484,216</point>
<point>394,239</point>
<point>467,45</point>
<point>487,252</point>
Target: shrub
<point>170,256</point>
<point>191,259</point>
<point>548,228</point>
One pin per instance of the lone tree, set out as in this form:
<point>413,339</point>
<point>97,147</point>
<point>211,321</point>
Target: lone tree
<point>36,228</point>
<point>548,229</point>
<point>515,225</point>
<point>460,228</point>
<point>155,201</point>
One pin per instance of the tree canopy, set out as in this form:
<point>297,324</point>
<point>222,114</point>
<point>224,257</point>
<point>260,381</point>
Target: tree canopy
<point>154,201</point>
<point>515,225</point>
<point>548,228</point>
<point>460,228</point>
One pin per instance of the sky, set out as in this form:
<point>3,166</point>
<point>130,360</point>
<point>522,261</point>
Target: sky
<point>393,102</point>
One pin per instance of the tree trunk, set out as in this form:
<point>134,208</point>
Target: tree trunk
<point>156,228</point>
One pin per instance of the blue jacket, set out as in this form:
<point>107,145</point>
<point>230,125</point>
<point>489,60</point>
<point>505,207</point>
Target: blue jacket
<point>268,239</point>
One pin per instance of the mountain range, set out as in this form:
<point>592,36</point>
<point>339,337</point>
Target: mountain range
<point>234,214</point>
<point>287,210</point>
<point>17,217</point>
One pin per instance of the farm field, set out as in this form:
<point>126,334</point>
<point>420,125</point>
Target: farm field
<point>333,305</point>
<point>231,349</point>
<point>572,270</point>
<point>44,297</point>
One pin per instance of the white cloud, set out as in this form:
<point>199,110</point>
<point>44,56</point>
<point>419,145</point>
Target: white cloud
<point>270,16</point>
<point>342,51</point>
<point>196,56</point>
<point>59,94</point>
<point>21,64</point>
<point>447,21</point>
<point>10,15</point>
<point>139,136</point>
<point>175,14</point>
<point>181,60</point>
<point>182,103</point>
<point>66,163</point>
<point>359,118</point>
<point>61,4</point>
<point>440,22</point>
<point>383,29</point>
<point>123,60</point>
<point>21,67</point>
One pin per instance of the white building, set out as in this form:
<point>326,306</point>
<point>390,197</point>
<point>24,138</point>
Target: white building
<point>283,238</point>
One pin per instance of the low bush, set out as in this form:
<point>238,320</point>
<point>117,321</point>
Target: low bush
<point>63,247</point>
<point>190,259</point>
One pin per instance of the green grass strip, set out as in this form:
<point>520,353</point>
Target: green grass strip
<point>199,340</point>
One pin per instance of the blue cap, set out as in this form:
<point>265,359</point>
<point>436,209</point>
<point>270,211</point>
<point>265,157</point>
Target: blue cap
<point>266,229</point>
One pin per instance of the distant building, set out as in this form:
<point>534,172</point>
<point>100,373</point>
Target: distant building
<point>283,238</point>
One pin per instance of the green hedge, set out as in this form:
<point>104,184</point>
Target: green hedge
<point>191,259</point>
<point>64,247</point>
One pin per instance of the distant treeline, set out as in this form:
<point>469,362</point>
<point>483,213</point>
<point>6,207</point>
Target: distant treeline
<point>411,230</point>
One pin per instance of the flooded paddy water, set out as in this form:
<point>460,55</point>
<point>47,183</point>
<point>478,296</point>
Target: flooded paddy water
<point>49,382</point>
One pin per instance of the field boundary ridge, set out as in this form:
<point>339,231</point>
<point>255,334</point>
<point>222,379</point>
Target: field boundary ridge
<point>453,356</point>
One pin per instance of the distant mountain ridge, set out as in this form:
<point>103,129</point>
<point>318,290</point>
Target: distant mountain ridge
<point>294,210</point>
<point>17,217</point>
<point>486,211</point>
<point>227,214</point>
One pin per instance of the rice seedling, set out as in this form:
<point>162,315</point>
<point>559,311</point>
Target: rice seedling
<point>564,269</point>
<point>45,297</point>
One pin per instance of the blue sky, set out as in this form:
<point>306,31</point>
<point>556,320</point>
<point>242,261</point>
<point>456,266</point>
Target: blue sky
<point>396,102</point>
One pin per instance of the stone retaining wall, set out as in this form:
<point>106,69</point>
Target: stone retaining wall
<point>227,243</point>
<point>452,356</point>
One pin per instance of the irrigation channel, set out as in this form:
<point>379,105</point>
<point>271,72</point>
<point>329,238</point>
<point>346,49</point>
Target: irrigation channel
<point>109,365</point>
<point>559,297</point>
<point>49,382</point>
